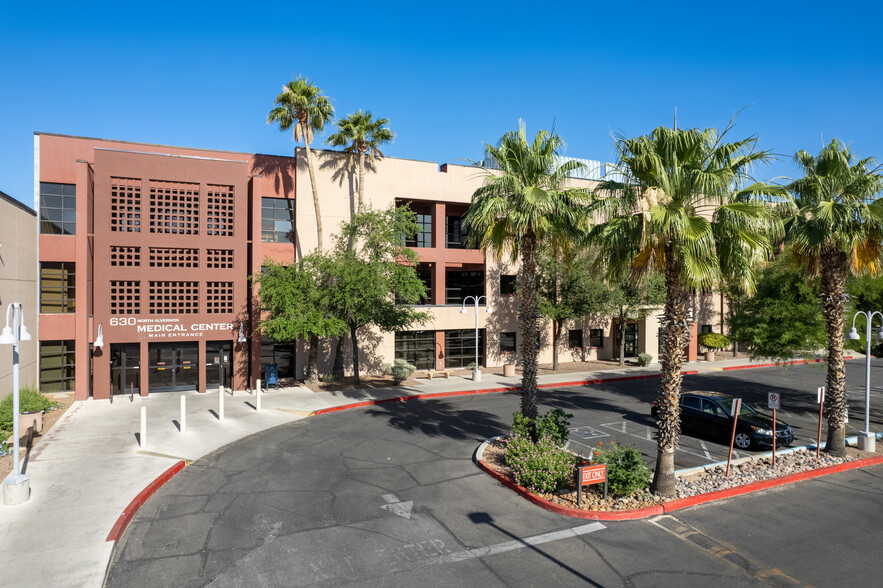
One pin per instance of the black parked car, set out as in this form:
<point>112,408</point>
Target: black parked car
<point>709,413</point>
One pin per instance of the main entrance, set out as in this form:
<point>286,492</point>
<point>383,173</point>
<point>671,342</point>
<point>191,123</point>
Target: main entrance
<point>218,355</point>
<point>173,366</point>
<point>125,368</point>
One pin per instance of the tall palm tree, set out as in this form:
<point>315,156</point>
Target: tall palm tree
<point>302,107</point>
<point>836,230</point>
<point>523,201</point>
<point>676,205</point>
<point>361,133</point>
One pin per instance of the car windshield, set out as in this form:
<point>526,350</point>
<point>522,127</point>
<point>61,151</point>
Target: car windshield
<point>746,411</point>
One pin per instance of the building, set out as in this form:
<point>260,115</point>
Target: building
<point>145,253</point>
<point>18,283</point>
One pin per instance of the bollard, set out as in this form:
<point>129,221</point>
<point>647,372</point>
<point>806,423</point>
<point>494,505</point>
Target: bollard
<point>183,420</point>
<point>143,437</point>
<point>258,399</point>
<point>258,384</point>
<point>220,403</point>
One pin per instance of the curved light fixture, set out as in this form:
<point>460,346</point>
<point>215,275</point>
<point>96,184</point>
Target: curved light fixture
<point>99,340</point>
<point>242,338</point>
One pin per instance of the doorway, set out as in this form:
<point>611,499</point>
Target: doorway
<point>173,367</point>
<point>631,340</point>
<point>218,357</point>
<point>125,368</point>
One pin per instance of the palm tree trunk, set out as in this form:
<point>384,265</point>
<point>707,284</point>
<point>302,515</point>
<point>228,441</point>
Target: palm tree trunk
<point>312,171</point>
<point>529,330</point>
<point>675,335</point>
<point>361,181</point>
<point>556,335</point>
<point>312,372</point>
<point>833,294</point>
<point>355,355</point>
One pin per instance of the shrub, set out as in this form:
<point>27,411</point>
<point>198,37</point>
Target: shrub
<point>29,400</point>
<point>644,359</point>
<point>553,424</point>
<point>626,471</point>
<point>714,341</point>
<point>401,370</point>
<point>328,379</point>
<point>540,467</point>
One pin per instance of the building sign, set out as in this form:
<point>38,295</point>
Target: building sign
<point>588,475</point>
<point>169,327</point>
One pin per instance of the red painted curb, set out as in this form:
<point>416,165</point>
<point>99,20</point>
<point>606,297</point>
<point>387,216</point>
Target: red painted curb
<point>117,530</point>
<point>764,365</point>
<point>673,505</point>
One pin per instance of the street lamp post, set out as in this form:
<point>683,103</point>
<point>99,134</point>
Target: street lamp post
<point>866,439</point>
<point>16,486</point>
<point>476,373</point>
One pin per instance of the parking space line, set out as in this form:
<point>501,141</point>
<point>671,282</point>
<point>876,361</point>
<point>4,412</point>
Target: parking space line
<point>705,449</point>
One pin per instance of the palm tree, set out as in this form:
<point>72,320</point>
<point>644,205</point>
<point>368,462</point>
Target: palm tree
<point>675,206</point>
<point>360,133</point>
<point>522,202</point>
<point>302,107</point>
<point>835,230</point>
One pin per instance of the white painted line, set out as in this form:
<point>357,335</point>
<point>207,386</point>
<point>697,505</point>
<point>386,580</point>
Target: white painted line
<point>519,543</point>
<point>390,498</point>
<point>650,434</point>
<point>705,449</point>
<point>623,426</point>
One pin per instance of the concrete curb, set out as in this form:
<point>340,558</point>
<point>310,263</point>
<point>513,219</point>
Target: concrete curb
<point>672,505</point>
<point>129,512</point>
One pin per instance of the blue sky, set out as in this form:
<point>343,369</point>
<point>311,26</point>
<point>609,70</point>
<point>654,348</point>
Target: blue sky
<point>449,76</point>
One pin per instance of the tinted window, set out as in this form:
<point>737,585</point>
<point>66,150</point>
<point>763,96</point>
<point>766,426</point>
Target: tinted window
<point>691,402</point>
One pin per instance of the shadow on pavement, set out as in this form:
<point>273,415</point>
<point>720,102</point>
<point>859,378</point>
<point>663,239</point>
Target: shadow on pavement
<point>439,418</point>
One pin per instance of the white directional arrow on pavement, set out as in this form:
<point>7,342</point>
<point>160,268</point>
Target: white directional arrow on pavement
<point>396,507</point>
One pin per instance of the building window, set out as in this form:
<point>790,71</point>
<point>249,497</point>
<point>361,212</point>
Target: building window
<point>277,220</point>
<point>57,361</point>
<point>174,208</point>
<point>58,209</point>
<point>705,329</point>
<point>596,338</point>
<point>125,297</point>
<point>460,348</point>
<point>174,298</point>
<point>57,287</point>
<point>281,354</point>
<point>125,205</point>
<point>220,259</point>
<point>173,257</point>
<point>423,238</point>
<point>460,284</point>
<point>219,202</point>
<point>125,256</point>
<point>575,339</point>
<point>456,234</point>
<point>219,297</point>
<point>417,348</point>
<point>507,285</point>
<point>507,342</point>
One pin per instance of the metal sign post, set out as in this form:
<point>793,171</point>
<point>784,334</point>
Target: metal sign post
<point>821,400</point>
<point>737,406</point>
<point>773,402</point>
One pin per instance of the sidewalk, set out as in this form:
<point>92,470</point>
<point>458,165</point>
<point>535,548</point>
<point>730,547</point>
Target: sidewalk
<point>89,467</point>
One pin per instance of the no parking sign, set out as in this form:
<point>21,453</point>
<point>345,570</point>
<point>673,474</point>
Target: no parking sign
<point>773,401</point>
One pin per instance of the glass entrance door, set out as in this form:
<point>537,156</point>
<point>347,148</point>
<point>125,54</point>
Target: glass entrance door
<point>125,368</point>
<point>173,366</point>
<point>218,358</point>
<point>631,340</point>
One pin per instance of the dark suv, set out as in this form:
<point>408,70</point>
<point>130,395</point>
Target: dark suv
<point>709,413</point>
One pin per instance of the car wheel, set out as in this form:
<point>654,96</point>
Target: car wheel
<point>743,440</point>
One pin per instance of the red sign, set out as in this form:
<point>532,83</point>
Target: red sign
<point>594,474</point>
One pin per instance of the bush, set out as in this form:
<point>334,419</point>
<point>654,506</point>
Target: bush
<point>714,341</point>
<point>29,400</point>
<point>540,467</point>
<point>328,379</point>
<point>626,471</point>
<point>553,424</point>
<point>401,370</point>
<point>644,359</point>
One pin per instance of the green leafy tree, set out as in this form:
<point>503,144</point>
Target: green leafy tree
<point>782,319</point>
<point>372,280</point>
<point>676,206</point>
<point>360,133</point>
<point>866,294</point>
<point>302,107</point>
<point>835,230</point>
<point>631,298</point>
<point>524,202</point>
<point>294,300</point>
<point>569,290</point>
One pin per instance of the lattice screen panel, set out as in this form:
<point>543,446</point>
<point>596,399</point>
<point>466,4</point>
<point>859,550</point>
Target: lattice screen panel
<point>125,297</point>
<point>220,211</point>
<point>174,297</point>
<point>219,297</point>
<point>125,256</point>
<point>219,258</point>
<point>174,208</point>
<point>174,257</point>
<point>125,205</point>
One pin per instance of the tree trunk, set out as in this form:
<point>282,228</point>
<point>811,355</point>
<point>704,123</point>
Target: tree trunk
<point>337,370</point>
<point>620,332</point>
<point>556,335</point>
<point>529,328</point>
<point>312,171</point>
<point>312,371</point>
<point>675,334</point>
<point>833,294</point>
<point>361,180</point>
<point>355,355</point>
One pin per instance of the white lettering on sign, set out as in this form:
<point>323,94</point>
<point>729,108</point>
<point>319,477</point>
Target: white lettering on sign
<point>594,474</point>
<point>169,327</point>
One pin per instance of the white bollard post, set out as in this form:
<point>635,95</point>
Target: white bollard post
<point>258,384</point>
<point>183,420</point>
<point>220,403</point>
<point>258,399</point>
<point>143,437</point>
